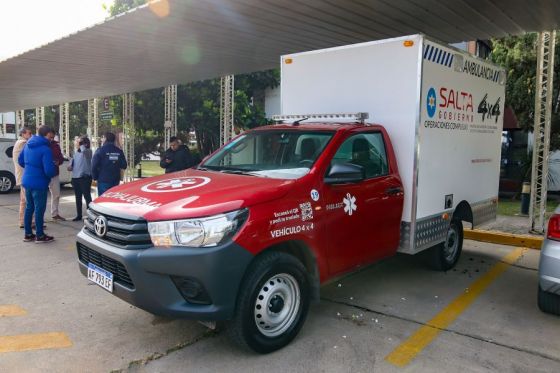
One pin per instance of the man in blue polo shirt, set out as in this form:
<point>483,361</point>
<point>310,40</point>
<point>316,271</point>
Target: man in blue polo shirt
<point>107,163</point>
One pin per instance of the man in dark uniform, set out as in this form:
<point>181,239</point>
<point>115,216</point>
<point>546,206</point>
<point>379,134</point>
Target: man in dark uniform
<point>177,157</point>
<point>107,163</point>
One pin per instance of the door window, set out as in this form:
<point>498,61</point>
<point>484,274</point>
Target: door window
<point>366,150</point>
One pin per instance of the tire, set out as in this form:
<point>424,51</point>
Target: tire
<point>445,255</point>
<point>7,182</point>
<point>272,304</point>
<point>549,302</point>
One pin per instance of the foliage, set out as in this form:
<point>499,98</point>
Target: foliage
<point>518,55</point>
<point>121,6</point>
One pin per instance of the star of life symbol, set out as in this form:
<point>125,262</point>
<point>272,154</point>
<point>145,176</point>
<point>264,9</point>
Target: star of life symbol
<point>349,204</point>
<point>176,184</point>
<point>431,102</point>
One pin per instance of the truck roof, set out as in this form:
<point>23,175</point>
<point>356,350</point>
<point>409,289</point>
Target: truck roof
<point>319,126</point>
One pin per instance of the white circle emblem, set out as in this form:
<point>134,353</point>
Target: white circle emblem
<point>176,184</point>
<point>314,195</point>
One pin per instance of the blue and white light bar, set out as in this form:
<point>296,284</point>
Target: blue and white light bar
<point>358,117</point>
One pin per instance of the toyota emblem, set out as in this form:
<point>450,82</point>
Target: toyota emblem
<point>100,226</point>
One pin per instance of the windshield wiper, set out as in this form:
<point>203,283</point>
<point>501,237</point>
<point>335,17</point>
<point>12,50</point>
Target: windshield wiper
<point>235,171</point>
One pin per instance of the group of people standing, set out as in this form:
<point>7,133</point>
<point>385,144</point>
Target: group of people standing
<point>37,159</point>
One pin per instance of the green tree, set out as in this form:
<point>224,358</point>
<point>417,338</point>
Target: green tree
<point>518,55</point>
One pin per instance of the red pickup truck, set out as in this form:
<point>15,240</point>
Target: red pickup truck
<point>252,232</point>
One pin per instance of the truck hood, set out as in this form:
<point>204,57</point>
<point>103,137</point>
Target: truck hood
<point>190,194</point>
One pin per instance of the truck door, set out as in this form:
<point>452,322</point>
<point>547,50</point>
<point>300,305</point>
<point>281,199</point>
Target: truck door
<point>363,218</point>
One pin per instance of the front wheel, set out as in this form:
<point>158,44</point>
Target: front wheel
<point>273,303</point>
<point>445,255</point>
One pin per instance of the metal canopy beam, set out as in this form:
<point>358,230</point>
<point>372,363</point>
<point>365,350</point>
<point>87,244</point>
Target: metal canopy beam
<point>141,50</point>
<point>129,132</point>
<point>39,117</point>
<point>64,128</point>
<point>541,130</point>
<point>226,108</point>
<point>170,115</point>
<point>93,122</point>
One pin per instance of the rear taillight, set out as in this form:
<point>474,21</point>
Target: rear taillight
<point>553,232</point>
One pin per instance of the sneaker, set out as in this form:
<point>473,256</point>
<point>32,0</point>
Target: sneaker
<point>77,218</point>
<point>29,237</point>
<point>44,239</point>
<point>58,217</point>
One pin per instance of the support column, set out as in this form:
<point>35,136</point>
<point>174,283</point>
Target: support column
<point>128,134</point>
<point>64,123</point>
<point>39,117</point>
<point>20,121</point>
<point>170,118</point>
<point>226,108</point>
<point>541,131</point>
<point>93,123</point>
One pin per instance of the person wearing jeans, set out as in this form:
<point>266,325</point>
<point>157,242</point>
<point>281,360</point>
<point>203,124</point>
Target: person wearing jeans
<point>81,175</point>
<point>38,169</point>
<point>107,163</point>
<point>24,135</point>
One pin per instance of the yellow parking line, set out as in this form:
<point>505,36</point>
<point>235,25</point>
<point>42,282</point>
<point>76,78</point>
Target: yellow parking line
<point>27,342</point>
<point>403,354</point>
<point>11,310</point>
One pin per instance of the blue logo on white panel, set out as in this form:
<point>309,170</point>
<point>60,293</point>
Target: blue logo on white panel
<point>431,102</point>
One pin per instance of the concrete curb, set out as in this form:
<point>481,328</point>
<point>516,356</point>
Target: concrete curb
<point>520,240</point>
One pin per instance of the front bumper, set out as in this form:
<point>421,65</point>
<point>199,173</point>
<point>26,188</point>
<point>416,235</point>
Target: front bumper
<point>549,267</point>
<point>150,286</point>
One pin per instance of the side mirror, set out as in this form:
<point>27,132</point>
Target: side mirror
<point>343,173</point>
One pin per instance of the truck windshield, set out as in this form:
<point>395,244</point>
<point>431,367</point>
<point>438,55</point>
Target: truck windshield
<point>279,154</point>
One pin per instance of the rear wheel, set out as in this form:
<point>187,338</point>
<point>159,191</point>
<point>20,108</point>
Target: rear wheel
<point>549,302</point>
<point>273,303</point>
<point>445,255</point>
<point>7,182</point>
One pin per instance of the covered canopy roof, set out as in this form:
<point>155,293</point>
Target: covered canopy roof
<point>179,41</point>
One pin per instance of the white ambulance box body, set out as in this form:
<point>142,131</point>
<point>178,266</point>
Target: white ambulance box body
<point>443,110</point>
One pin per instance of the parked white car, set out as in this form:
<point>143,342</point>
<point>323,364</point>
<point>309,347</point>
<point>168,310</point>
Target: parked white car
<point>7,172</point>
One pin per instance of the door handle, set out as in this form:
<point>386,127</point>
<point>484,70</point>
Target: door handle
<point>393,190</point>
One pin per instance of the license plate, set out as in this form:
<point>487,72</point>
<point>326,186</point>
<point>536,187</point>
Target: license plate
<point>100,276</point>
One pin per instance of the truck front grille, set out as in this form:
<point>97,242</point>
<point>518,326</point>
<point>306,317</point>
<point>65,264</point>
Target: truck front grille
<point>120,274</point>
<point>123,233</point>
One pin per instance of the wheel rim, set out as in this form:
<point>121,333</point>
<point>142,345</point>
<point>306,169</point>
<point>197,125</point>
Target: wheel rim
<point>277,305</point>
<point>451,244</point>
<point>5,184</point>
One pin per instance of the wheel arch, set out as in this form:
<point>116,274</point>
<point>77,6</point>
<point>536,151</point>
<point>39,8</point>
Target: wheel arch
<point>304,253</point>
<point>463,212</point>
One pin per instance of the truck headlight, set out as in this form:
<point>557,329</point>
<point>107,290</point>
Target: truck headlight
<point>203,232</point>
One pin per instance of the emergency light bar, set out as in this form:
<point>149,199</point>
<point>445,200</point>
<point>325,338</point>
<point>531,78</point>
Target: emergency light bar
<point>359,117</point>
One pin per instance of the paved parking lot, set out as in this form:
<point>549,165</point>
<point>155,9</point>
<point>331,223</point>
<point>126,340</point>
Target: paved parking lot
<point>394,316</point>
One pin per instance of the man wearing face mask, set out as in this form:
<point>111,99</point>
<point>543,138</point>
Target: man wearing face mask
<point>177,157</point>
<point>54,185</point>
<point>81,174</point>
<point>107,163</point>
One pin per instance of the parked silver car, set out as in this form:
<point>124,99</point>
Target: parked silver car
<point>549,268</point>
<point>7,172</point>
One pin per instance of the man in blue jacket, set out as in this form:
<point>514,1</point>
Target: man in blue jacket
<point>38,169</point>
<point>107,163</point>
